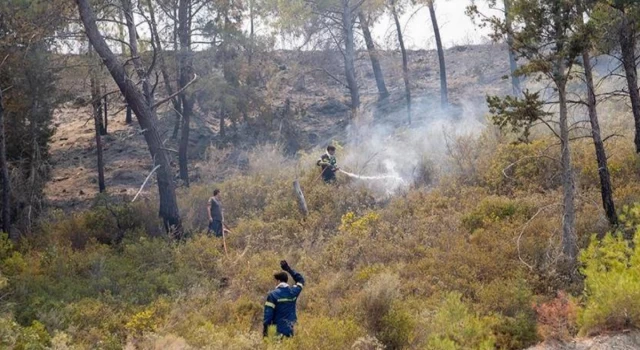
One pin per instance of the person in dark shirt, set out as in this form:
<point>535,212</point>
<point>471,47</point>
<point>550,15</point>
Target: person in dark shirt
<point>216,217</point>
<point>328,164</point>
<point>280,307</point>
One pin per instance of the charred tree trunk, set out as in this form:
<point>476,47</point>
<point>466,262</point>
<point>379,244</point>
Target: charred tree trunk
<point>513,65</point>
<point>97,115</point>
<point>186,73</point>
<point>444,94</point>
<point>350,56</point>
<point>606,189</point>
<point>142,105</point>
<point>373,56</point>
<point>626,36</point>
<point>4,173</point>
<point>405,62</point>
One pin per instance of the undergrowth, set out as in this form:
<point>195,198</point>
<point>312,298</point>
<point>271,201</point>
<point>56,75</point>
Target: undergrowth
<point>465,264</point>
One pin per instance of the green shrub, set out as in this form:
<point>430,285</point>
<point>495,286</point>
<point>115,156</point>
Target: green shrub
<point>324,333</point>
<point>493,209</point>
<point>455,327</point>
<point>612,284</point>
<point>34,337</point>
<point>522,166</point>
<point>509,300</point>
<point>383,313</point>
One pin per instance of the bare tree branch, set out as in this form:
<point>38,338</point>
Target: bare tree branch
<point>167,99</point>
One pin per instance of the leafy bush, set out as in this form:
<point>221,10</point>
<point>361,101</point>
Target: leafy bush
<point>324,333</point>
<point>612,284</point>
<point>509,301</point>
<point>383,313</point>
<point>522,166</point>
<point>493,209</point>
<point>455,326</point>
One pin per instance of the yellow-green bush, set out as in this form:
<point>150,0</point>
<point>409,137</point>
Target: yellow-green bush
<point>612,284</point>
<point>318,333</point>
<point>454,326</point>
<point>494,208</point>
<point>509,301</point>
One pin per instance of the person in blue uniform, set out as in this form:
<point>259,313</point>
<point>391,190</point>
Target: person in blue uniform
<point>280,307</point>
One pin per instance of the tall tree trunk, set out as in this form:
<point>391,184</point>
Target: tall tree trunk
<point>123,48</point>
<point>627,47</point>
<point>405,63</point>
<point>106,113</point>
<point>186,73</point>
<point>569,244</point>
<point>350,57</point>
<point>97,115</point>
<point>373,56</point>
<point>444,94</point>
<point>162,64</point>
<point>513,65</point>
<point>142,106</point>
<point>606,190</point>
<point>176,126</point>
<point>251,34</point>
<point>4,173</point>
<point>133,48</point>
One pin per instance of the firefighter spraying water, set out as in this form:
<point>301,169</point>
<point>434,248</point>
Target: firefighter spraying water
<point>329,166</point>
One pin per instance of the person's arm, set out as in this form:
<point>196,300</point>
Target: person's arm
<point>269,313</point>
<point>323,161</point>
<point>297,277</point>
<point>209,210</point>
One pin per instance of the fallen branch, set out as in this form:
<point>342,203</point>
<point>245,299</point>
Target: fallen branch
<point>165,100</point>
<point>145,182</point>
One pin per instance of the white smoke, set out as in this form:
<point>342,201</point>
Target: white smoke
<point>389,156</point>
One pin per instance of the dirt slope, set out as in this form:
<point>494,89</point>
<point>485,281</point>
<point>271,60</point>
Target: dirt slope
<point>623,341</point>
